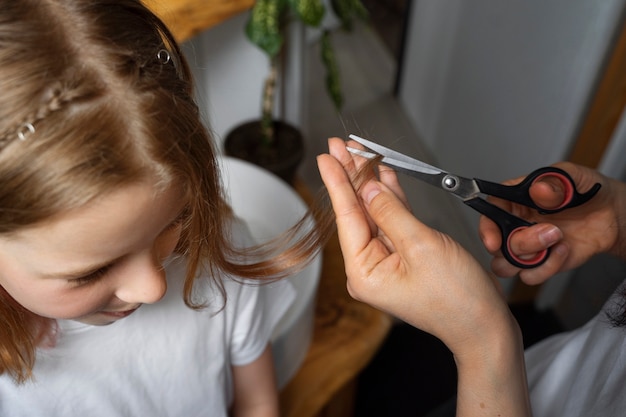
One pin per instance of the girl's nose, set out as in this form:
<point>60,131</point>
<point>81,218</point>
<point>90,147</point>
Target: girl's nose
<point>145,282</point>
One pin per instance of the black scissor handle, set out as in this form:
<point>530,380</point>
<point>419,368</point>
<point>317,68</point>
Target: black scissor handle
<point>509,225</point>
<point>519,193</point>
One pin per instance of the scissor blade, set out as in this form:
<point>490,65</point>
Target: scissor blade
<point>414,163</point>
<point>427,175</point>
<point>464,188</point>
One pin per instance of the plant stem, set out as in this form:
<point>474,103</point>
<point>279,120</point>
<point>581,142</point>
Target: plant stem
<point>269,93</point>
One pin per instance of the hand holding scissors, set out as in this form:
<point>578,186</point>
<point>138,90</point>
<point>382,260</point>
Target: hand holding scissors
<point>470,191</point>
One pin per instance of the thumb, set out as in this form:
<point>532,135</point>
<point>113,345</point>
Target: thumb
<point>548,192</point>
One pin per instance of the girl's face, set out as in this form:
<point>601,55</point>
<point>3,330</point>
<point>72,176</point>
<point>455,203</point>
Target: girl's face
<point>97,263</point>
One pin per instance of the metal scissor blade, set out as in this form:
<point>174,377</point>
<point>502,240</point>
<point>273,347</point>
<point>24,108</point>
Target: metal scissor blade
<point>464,188</point>
<point>414,163</point>
<point>433,177</point>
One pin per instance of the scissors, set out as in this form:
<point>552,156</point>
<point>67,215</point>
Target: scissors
<point>470,190</point>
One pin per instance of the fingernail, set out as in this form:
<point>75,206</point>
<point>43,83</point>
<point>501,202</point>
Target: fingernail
<point>370,191</point>
<point>550,235</point>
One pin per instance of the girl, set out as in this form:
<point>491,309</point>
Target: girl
<point>113,222</point>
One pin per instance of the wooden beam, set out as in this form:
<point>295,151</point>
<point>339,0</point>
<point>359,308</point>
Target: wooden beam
<point>605,109</point>
<point>187,18</point>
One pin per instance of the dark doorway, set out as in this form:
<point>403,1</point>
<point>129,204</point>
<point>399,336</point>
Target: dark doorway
<point>389,19</point>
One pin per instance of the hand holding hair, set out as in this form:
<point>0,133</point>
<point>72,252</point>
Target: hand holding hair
<point>401,266</point>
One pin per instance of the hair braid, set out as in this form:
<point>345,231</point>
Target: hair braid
<point>54,99</point>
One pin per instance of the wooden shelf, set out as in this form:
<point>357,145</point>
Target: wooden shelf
<point>187,18</point>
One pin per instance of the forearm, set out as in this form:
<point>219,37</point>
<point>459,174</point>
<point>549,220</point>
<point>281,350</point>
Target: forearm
<point>492,379</point>
<point>255,389</point>
<point>257,411</point>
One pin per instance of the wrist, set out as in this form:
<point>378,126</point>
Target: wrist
<point>501,338</point>
<point>492,375</point>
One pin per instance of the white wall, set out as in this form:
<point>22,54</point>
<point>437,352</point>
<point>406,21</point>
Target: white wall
<point>230,71</point>
<point>497,88</point>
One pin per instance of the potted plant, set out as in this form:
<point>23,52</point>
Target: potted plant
<point>269,142</point>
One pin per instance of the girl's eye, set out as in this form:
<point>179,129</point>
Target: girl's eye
<point>174,224</point>
<point>177,221</point>
<point>92,277</point>
<point>101,272</point>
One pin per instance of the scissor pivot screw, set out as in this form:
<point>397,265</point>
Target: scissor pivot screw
<point>450,182</point>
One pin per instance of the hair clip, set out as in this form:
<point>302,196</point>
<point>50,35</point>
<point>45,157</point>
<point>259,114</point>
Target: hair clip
<point>24,130</point>
<point>163,56</point>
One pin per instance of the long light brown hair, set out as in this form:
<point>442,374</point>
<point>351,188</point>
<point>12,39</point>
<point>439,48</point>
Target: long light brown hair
<point>95,95</point>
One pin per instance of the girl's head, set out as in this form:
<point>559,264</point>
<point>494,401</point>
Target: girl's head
<point>95,98</point>
<point>94,95</point>
<point>96,117</point>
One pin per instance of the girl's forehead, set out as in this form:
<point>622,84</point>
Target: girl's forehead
<point>124,221</point>
<point>127,203</point>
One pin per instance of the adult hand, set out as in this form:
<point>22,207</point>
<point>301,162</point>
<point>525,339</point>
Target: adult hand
<point>574,235</point>
<point>399,265</point>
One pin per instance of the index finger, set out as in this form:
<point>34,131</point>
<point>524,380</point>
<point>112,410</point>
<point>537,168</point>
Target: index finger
<point>352,224</point>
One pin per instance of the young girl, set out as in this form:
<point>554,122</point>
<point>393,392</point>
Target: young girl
<point>121,264</point>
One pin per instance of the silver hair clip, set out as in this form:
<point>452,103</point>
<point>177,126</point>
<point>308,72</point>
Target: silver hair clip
<point>163,56</point>
<point>25,130</point>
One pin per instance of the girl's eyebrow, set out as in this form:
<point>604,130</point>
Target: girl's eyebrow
<point>81,272</point>
<point>89,269</point>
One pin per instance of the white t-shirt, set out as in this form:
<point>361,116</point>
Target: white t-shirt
<point>580,373</point>
<point>163,360</point>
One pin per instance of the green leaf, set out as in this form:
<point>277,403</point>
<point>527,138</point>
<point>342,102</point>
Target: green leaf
<point>333,81</point>
<point>264,25</point>
<point>311,12</point>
